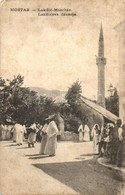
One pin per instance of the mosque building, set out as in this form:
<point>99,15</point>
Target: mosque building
<point>98,109</point>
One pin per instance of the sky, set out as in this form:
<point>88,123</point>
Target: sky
<point>52,52</point>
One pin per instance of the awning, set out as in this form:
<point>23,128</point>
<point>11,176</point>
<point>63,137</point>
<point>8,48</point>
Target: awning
<point>107,114</point>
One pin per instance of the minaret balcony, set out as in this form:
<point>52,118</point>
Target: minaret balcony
<point>100,60</point>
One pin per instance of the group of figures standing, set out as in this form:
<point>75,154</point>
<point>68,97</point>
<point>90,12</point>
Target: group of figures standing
<point>47,134</point>
<point>108,141</point>
<point>84,133</point>
<point>49,138</point>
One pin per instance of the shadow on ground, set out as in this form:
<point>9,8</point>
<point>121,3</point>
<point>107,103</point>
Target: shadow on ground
<point>39,157</point>
<point>32,154</point>
<point>22,147</point>
<point>11,145</point>
<point>86,177</point>
<point>90,154</point>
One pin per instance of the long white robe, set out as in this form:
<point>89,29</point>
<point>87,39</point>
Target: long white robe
<point>32,135</point>
<point>14,134</point>
<point>3,127</point>
<point>86,133</point>
<point>19,132</point>
<point>2,132</point>
<point>95,136</point>
<point>44,139</point>
<point>81,130</point>
<point>52,132</point>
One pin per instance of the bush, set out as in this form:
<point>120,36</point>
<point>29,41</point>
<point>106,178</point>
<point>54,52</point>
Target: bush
<point>72,123</point>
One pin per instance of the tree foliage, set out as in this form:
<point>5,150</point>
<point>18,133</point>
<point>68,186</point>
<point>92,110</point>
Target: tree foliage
<point>22,104</point>
<point>112,103</point>
<point>74,93</point>
<point>73,113</point>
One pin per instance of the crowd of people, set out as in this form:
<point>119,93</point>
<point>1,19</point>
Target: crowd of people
<point>46,134</point>
<point>84,132</point>
<point>107,140</point>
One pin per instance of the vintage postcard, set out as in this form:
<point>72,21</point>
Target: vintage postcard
<point>62,89</point>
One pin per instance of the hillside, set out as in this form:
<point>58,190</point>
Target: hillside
<point>55,94</point>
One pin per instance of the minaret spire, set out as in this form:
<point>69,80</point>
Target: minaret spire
<point>101,33</point>
<point>101,43</point>
<point>101,61</point>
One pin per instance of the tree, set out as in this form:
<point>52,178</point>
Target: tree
<point>7,90</point>
<point>112,102</point>
<point>72,109</point>
<point>22,104</point>
<point>74,93</point>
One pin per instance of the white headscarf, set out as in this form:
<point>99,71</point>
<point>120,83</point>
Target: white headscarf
<point>93,129</point>
<point>44,129</point>
<point>52,129</point>
<point>80,128</point>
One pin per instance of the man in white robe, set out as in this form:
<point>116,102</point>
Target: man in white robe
<point>95,135</point>
<point>44,138</point>
<point>81,130</point>
<point>19,132</point>
<point>86,133</point>
<point>52,132</point>
<point>32,136</point>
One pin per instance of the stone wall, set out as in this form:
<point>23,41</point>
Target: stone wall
<point>69,136</point>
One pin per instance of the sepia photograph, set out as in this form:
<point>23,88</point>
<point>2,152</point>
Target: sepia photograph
<point>62,97</point>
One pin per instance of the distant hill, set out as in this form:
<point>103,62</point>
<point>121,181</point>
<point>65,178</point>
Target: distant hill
<point>55,94</point>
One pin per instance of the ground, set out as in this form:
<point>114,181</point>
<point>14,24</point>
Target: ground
<point>74,170</point>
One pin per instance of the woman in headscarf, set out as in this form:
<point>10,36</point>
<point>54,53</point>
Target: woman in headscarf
<point>81,130</point>
<point>44,138</point>
<point>19,133</point>
<point>95,134</point>
<point>52,132</point>
<point>32,135</point>
<point>86,132</point>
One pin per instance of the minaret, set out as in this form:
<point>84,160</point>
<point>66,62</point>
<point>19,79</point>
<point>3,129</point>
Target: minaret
<point>101,61</point>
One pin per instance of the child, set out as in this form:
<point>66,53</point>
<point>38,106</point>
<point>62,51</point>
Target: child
<point>32,135</point>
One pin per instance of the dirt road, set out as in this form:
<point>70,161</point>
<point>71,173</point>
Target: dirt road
<point>74,170</point>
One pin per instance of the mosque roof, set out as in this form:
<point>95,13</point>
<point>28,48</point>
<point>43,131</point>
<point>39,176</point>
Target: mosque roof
<point>104,112</point>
